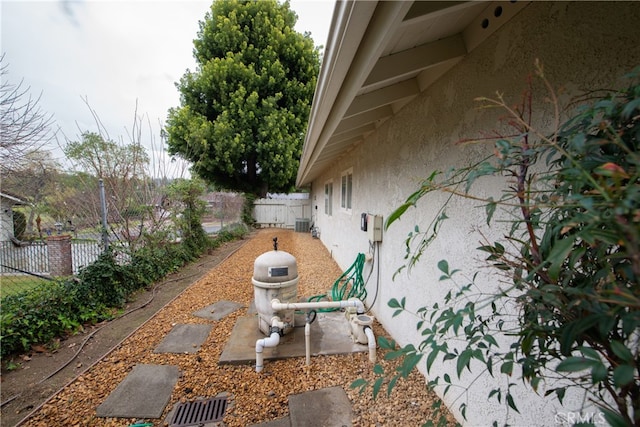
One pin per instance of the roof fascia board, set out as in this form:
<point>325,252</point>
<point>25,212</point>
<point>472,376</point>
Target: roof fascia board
<point>375,38</point>
<point>341,48</point>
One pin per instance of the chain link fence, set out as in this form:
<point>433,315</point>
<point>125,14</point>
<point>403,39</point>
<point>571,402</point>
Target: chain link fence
<point>39,208</point>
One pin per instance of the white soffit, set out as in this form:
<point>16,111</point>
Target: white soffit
<point>379,56</point>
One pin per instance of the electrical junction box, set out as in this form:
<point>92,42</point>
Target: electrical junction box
<point>374,228</point>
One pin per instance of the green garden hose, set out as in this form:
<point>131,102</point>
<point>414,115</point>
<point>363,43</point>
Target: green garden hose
<point>349,285</point>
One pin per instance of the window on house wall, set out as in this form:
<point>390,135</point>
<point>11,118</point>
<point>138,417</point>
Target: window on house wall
<point>346,190</point>
<point>328,198</point>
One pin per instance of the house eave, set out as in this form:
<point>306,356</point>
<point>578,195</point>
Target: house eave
<point>379,56</point>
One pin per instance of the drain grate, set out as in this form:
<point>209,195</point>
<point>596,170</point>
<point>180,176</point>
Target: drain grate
<point>199,412</point>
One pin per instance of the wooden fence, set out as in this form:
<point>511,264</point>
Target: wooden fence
<point>283,213</point>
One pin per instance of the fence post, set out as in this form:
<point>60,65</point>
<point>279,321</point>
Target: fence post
<point>60,259</point>
<point>103,206</point>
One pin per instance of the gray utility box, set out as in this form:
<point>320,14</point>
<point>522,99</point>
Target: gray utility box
<point>303,225</point>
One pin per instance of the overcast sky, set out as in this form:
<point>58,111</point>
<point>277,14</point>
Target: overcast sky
<point>113,54</point>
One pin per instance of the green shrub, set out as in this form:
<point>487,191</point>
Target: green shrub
<point>247,210</point>
<point>55,309</point>
<point>568,265</point>
<point>41,314</point>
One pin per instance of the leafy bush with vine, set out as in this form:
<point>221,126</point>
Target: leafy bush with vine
<point>568,267</point>
<point>185,194</point>
<point>247,209</point>
<point>57,308</point>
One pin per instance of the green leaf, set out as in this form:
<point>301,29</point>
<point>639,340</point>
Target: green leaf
<point>613,418</point>
<point>393,355</point>
<point>378,369</point>
<point>392,384</point>
<point>395,215</point>
<point>491,340</point>
<point>360,382</point>
<point>464,359</point>
<point>507,368</point>
<point>598,373</point>
<point>573,330</point>
<point>490,209</point>
<point>376,387</point>
<point>557,255</point>
<point>629,109</point>
<point>393,303</point>
<point>621,351</point>
<point>590,353</point>
<point>431,357</point>
<point>623,375</point>
<point>575,364</point>
<point>511,403</point>
<point>409,363</point>
<point>385,344</point>
<point>443,266</point>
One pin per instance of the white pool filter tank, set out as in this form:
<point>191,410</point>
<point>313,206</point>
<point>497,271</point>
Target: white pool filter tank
<point>275,276</point>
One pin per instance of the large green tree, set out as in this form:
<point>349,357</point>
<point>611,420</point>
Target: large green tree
<point>244,110</point>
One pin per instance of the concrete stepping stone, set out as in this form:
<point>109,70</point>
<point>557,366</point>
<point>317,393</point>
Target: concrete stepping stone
<point>280,422</point>
<point>184,339</point>
<point>144,393</point>
<point>218,310</point>
<point>327,407</point>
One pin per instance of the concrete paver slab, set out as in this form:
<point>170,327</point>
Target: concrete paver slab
<point>142,394</point>
<point>327,407</point>
<point>330,334</point>
<point>280,422</point>
<point>184,339</point>
<point>218,310</point>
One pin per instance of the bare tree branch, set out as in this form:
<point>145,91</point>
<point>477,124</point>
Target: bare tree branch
<point>24,127</point>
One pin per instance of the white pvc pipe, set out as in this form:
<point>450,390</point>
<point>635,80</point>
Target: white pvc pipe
<point>276,305</point>
<point>307,342</point>
<point>371,340</point>
<point>272,341</point>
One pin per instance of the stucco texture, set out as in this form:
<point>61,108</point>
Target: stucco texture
<point>582,46</point>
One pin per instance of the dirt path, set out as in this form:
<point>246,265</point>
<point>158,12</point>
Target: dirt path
<point>44,373</point>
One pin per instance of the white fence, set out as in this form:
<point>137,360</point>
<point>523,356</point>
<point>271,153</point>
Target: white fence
<point>283,213</point>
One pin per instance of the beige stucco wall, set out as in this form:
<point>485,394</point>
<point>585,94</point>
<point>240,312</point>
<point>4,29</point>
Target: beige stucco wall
<point>583,45</point>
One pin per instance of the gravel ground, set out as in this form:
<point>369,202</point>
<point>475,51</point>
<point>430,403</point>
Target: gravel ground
<point>255,397</point>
